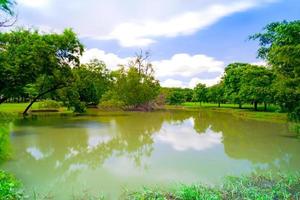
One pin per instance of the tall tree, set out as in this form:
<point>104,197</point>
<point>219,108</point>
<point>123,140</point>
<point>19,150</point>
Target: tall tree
<point>280,47</point>
<point>216,93</point>
<point>62,52</point>
<point>232,82</point>
<point>200,93</point>
<point>256,85</point>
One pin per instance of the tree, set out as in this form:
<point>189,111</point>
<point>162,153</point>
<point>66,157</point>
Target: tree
<point>22,53</point>
<point>61,51</point>
<point>216,93</point>
<point>232,82</point>
<point>134,85</point>
<point>280,47</point>
<point>200,93</point>
<point>176,97</point>
<point>256,85</point>
<point>92,81</point>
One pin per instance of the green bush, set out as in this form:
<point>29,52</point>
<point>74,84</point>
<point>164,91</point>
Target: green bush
<point>10,188</point>
<point>49,104</point>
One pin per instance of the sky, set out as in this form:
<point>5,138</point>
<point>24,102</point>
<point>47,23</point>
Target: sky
<point>190,41</point>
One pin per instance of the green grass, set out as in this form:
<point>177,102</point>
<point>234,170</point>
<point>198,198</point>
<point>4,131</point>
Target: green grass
<point>262,187</point>
<point>246,112</point>
<point>20,107</point>
<point>16,107</point>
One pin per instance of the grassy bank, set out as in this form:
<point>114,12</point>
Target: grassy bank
<point>246,112</point>
<point>263,187</point>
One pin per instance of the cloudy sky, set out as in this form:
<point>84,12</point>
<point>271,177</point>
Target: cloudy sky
<point>190,41</point>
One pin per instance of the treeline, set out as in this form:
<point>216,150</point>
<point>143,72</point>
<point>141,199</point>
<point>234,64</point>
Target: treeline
<point>35,66</point>
<point>277,83</point>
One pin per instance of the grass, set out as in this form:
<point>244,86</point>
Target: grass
<point>20,107</point>
<point>262,187</point>
<point>246,112</point>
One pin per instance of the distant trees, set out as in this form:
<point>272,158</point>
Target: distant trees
<point>200,93</point>
<point>215,94</point>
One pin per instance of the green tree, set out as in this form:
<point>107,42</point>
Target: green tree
<point>92,81</point>
<point>200,93</point>
<point>216,94</point>
<point>60,52</point>
<point>256,85</point>
<point>135,85</point>
<point>232,82</point>
<point>280,47</point>
<point>176,97</point>
<point>22,53</point>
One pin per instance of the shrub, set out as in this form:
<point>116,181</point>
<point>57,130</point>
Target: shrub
<point>49,104</point>
<point>10,188</point>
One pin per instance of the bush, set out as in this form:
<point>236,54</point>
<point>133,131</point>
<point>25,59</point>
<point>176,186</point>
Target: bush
<point>49,104</point>
<point>10,188</point>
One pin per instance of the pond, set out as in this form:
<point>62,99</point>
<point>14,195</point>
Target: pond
<point>104,153</point>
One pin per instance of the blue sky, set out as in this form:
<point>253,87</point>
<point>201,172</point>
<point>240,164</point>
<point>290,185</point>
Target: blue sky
<point>190,41</point>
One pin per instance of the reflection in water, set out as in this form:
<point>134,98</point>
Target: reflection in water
<point>109,152</point>
<point>181,138</point>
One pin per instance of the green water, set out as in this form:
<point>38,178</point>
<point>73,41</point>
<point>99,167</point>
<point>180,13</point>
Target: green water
<point>104,153</point>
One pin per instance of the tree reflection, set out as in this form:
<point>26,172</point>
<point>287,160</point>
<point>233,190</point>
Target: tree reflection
<point>256,141</point>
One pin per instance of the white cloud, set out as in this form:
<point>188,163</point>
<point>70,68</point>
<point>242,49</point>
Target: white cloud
<point>131,34</point>
<point>172,83</point>
<point>111,60</point>
<point>34,3</point>
<point>182,139</point>
<point>187,66</point>
<point>171,72</point>
<point>131,23</point>
<point>260,63</point>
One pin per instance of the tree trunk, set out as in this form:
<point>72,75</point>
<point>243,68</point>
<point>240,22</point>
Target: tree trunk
<point>240,105</point>
<point>2,100</point>
<point>39,96</point>
<point>265,106</point>
<point>219,104</point>
<point>255,106</point>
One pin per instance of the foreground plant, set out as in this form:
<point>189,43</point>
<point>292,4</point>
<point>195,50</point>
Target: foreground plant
<point>10,187</point>
<point>264,187</point>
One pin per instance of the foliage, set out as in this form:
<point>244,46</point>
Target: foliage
<point>176,98</point>
<point>200,93</point>
<point>247,187</point>
<point>134,85</point>
<point>216,93</point>
<point>256,85</point>
<point>280,46</point>
<point>9,187</point>
<point>92,81</point>
<point>53,54</point>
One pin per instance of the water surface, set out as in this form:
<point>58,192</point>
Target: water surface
<point>107,152</point>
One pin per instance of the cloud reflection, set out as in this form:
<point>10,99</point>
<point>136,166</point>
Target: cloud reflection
<point>183,137</point>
